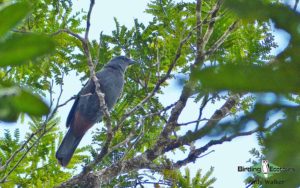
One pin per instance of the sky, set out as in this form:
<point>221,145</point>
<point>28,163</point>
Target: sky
<point>226,157</point>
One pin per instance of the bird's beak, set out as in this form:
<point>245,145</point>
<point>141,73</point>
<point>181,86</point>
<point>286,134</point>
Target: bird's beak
<point>131,62</point>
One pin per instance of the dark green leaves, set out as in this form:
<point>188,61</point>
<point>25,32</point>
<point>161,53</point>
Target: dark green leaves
<point>242,78</point>
<point>12,15</point>
<point>245,75</point>
<point>20,49</point>
<point>281,149</point>
<point>16,50</point>
<point>282,16</point>
<point>14,100</point>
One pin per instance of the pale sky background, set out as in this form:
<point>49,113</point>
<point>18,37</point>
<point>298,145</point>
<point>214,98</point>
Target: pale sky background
<point>226,157</point>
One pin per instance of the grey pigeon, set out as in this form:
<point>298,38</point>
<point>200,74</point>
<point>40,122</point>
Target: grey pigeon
<point>86,110</point>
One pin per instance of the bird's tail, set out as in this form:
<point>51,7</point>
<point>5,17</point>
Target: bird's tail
<point>67,147</point>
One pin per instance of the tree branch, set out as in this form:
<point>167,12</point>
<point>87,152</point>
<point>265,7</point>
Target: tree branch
<point>197,152</point>
<point>205,100</point>
<point>68,31</point>
<point>221,40</point>
<point>213,120</point>
<point>88,22</point>
<point>199,29</point>
<point>211,25</point>
<point>67,101</point>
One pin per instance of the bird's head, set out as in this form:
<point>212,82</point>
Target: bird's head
<point>121,62</point>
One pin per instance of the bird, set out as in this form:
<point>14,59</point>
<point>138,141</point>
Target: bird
<point>86,110</point>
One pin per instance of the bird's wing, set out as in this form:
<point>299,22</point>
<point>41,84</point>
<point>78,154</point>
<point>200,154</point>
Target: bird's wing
<point>72,112</point>
<point>88,88</point>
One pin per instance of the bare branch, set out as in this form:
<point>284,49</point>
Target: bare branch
<point>67,101</point>
<point>61,90</point>
<point>88,22</point>
<point>195,154</point>
<point>205,100</point>
<point>197,121</point>
<point>68,31</point>
<point>93,76</point>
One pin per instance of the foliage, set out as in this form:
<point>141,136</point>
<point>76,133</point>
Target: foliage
<point>14,50</point>
<point>280,76</point>
<point>39,168</point>
<point>29,161</point>
<point>220,52</point>
<point>185,180</point>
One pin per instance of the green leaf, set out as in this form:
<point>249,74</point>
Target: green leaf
<point>11,15</point>
<point>252,78</point>
<point>19,49</point>
<point>31,104</point>
<point>280,149</point>
<point>14,100</point>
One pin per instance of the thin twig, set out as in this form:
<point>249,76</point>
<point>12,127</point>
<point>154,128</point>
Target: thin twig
<point>194,155</point>
<point>203,104</point>
<point>160,111</point>
<point>88,21</point>
<point>68,31</point>
<point>197,121</point>
<point>67,101</point>
<point>221,40</point>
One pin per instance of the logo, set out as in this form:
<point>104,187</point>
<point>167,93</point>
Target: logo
<point>265,167</point>
<point>265,170</point>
